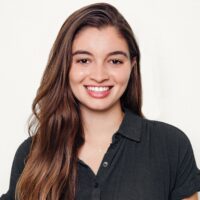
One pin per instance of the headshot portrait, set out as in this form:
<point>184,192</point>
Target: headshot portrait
<point>100,100</point>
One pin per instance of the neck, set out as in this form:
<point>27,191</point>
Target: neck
<point>101,125</point>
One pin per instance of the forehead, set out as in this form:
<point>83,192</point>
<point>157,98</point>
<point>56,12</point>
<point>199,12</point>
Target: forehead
<point>99,40</point>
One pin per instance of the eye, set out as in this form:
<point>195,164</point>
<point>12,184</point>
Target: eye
<point>83,61</point>
<point>116,61</point>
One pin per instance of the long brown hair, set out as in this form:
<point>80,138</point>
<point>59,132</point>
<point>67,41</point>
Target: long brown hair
<point>56,125</point>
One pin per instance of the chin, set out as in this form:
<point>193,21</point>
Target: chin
<point>99,107</point>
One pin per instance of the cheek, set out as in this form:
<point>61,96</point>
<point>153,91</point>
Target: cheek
<point>122,77</point>
<point>76,75</point>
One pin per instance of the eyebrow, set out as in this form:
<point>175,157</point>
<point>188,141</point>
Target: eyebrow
<point>109,54</point>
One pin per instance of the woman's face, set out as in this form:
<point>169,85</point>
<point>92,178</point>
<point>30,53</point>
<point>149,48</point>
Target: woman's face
<point>100,68</point>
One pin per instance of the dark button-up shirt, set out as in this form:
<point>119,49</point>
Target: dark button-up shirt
<point>147,160</point>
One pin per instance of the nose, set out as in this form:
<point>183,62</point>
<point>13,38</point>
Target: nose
<point>99,73</point>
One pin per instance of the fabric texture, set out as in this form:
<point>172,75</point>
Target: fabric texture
<point>147,160</point>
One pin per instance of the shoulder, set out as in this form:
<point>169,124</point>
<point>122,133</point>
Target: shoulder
<point>171,134</point>
<point>170,141</point>
<point>18,166</point>
<point>24,147</point>
<point>22,153</point>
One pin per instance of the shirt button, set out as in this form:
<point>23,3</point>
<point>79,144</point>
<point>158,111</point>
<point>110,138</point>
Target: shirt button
<point>96,185</point>
<point>105,164</point>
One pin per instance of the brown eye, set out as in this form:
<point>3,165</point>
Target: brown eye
<point>83,61</point>
<point>116,61</point>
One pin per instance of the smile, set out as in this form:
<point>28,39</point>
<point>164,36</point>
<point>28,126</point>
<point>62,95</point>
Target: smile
<point>98,91</point>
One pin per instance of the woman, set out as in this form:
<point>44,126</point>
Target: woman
<point>89,138</point>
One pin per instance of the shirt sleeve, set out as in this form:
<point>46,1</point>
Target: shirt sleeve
<point>17,168</point>
<point>187,181</point>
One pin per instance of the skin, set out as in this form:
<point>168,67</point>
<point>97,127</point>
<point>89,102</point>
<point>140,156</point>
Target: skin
<point>96,67</point>
<point>193,197</point>
<point>95,63</point>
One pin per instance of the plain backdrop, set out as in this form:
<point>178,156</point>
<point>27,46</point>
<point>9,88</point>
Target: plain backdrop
<point>168,36</point>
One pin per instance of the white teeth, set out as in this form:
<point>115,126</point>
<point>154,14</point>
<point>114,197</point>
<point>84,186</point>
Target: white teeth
<point>98,89</point>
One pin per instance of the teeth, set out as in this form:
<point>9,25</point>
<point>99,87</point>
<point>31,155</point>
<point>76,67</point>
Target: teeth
<point>98,89</point>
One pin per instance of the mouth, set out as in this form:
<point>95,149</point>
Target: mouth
<point>98,91</point>
<point>98,88</point>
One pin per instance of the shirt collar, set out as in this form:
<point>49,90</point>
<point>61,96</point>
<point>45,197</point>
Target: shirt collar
<point>131,125</point>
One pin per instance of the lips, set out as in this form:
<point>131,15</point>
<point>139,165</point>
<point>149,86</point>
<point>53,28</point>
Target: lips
<point>98,91</point>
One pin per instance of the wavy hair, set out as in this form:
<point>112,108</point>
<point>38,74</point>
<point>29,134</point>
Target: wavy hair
<point>50,172</point>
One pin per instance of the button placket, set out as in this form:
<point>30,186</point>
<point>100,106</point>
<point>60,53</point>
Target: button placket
<point>96,191</point>
<point>96,185</point>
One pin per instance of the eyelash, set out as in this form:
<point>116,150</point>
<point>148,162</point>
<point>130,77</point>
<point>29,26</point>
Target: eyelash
<point>114,61</point>
<point>117,60</point>
<point>82,61</point>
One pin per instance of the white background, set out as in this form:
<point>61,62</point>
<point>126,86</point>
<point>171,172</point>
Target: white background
<point>168,33</point>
